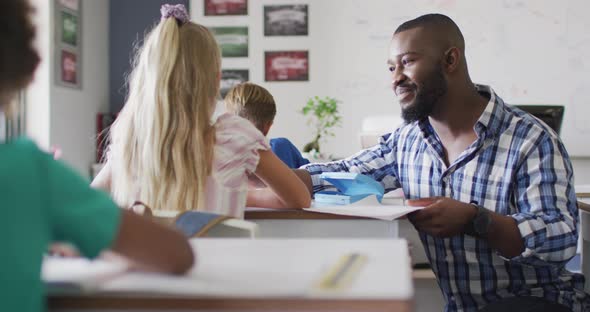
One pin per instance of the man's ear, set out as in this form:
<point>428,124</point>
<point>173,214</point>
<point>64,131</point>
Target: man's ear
<point>452,59</point>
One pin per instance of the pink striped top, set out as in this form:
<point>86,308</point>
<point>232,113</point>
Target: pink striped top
<point>236,154</point>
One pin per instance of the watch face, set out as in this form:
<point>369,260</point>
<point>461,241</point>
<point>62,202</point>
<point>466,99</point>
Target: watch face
<point>482,221</point>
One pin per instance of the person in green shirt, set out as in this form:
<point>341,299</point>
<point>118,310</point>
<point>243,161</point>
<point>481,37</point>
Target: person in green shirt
<point>42,201</point>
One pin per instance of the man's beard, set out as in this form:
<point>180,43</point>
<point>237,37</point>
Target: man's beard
<point>426,97</point>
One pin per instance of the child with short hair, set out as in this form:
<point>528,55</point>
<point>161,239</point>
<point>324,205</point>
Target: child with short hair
<point>165,150</point>
<point>255,103</point>
<point>43,201</point>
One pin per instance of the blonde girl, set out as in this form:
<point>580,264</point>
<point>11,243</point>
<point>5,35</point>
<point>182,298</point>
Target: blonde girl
<point>167,153</point>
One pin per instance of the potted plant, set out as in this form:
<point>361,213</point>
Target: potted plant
<point>323,115</point>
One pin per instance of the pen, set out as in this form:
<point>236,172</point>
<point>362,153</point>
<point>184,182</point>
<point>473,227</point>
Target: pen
<point>341,274</point>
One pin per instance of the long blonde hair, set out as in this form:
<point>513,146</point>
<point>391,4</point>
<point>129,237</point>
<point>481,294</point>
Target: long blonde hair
<point>162,142</point>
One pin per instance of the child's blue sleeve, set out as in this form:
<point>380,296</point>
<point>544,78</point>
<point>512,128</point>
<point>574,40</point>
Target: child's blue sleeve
<point>288,153</point>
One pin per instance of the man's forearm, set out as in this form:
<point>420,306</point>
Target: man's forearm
<point>504,236</point>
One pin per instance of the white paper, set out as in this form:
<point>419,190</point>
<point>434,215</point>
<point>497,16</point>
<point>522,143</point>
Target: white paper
<point>389,209</point>
<point>79,272</point>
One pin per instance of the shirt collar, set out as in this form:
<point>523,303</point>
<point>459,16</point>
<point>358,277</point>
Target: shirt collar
<point>490,121</point>
<point>492,118</point>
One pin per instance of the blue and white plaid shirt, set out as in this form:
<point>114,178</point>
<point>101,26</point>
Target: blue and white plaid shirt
<point>517,167</point>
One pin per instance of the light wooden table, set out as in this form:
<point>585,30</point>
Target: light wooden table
<point>256,275</point>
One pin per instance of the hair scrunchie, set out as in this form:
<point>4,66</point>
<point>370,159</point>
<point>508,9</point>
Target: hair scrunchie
<point>178,11</point>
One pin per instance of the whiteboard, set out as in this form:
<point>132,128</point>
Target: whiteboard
<point>529,52</point>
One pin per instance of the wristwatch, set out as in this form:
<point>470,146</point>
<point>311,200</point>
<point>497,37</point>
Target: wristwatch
<point>480,224</point>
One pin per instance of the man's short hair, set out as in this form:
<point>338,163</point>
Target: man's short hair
<point>252,102</point>
<point>435,20</point>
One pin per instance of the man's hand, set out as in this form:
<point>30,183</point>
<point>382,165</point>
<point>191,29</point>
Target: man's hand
<point>441,216</point>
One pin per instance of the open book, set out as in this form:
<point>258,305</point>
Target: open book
<point>79,273</point>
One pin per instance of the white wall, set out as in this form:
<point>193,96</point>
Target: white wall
<point>38,94</point>
<point>65,117</point>
<point>73,111</point>
<point>581,170</point>
<point>530,52</point>
<point>325,76</point>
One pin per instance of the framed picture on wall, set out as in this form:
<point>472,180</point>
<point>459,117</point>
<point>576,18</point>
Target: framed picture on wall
<point>70,4</point>
<point>226,7</point>
<point>68,69</point>
<point>285,20</point>
<point>69,28</point>
<point>286,66</point>
<point>233,41</point>
<point>232,77</point>
<point>68,43</point>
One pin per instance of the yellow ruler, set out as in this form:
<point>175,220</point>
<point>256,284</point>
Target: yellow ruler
<point>342,273</point>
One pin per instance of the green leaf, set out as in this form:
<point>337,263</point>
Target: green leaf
<point>323,115</point>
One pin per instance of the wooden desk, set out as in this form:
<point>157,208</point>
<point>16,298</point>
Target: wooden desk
<point>255,275</point>
<point>582,204</point>
<point>296,223</point>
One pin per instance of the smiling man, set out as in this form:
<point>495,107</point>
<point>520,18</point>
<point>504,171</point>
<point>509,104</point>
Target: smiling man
<point>500,218</point>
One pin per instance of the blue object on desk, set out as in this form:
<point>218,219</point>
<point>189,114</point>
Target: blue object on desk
<point>196,223</point>
<point>351,187</point>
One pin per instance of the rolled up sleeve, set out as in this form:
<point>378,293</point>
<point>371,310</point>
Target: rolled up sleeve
<point>378,162</point>
<point>546,201</point>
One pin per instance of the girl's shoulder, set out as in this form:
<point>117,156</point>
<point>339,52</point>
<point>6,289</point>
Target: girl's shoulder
<point>235,130</point>
<point>231,122</point>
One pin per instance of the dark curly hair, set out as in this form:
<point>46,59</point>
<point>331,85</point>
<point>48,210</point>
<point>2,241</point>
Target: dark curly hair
<point>18,58</point>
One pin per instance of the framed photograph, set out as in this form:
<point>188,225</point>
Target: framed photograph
<point>285,20</point>
<point>286,66</point>
<point>232,77</point>
<point>226,7</point>
<point>68,43</point>
<point>68,68</point>
<point>69,28</point>
<point>233,41</point>
<point>70,4</point>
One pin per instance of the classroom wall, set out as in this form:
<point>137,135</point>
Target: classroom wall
<point>73,111</point>
<point>529,52</point>
<point>65,117</point>
<point>581,170</point>
<point>38,93</point>
<point>129,20</point>
<point>54,112</point>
